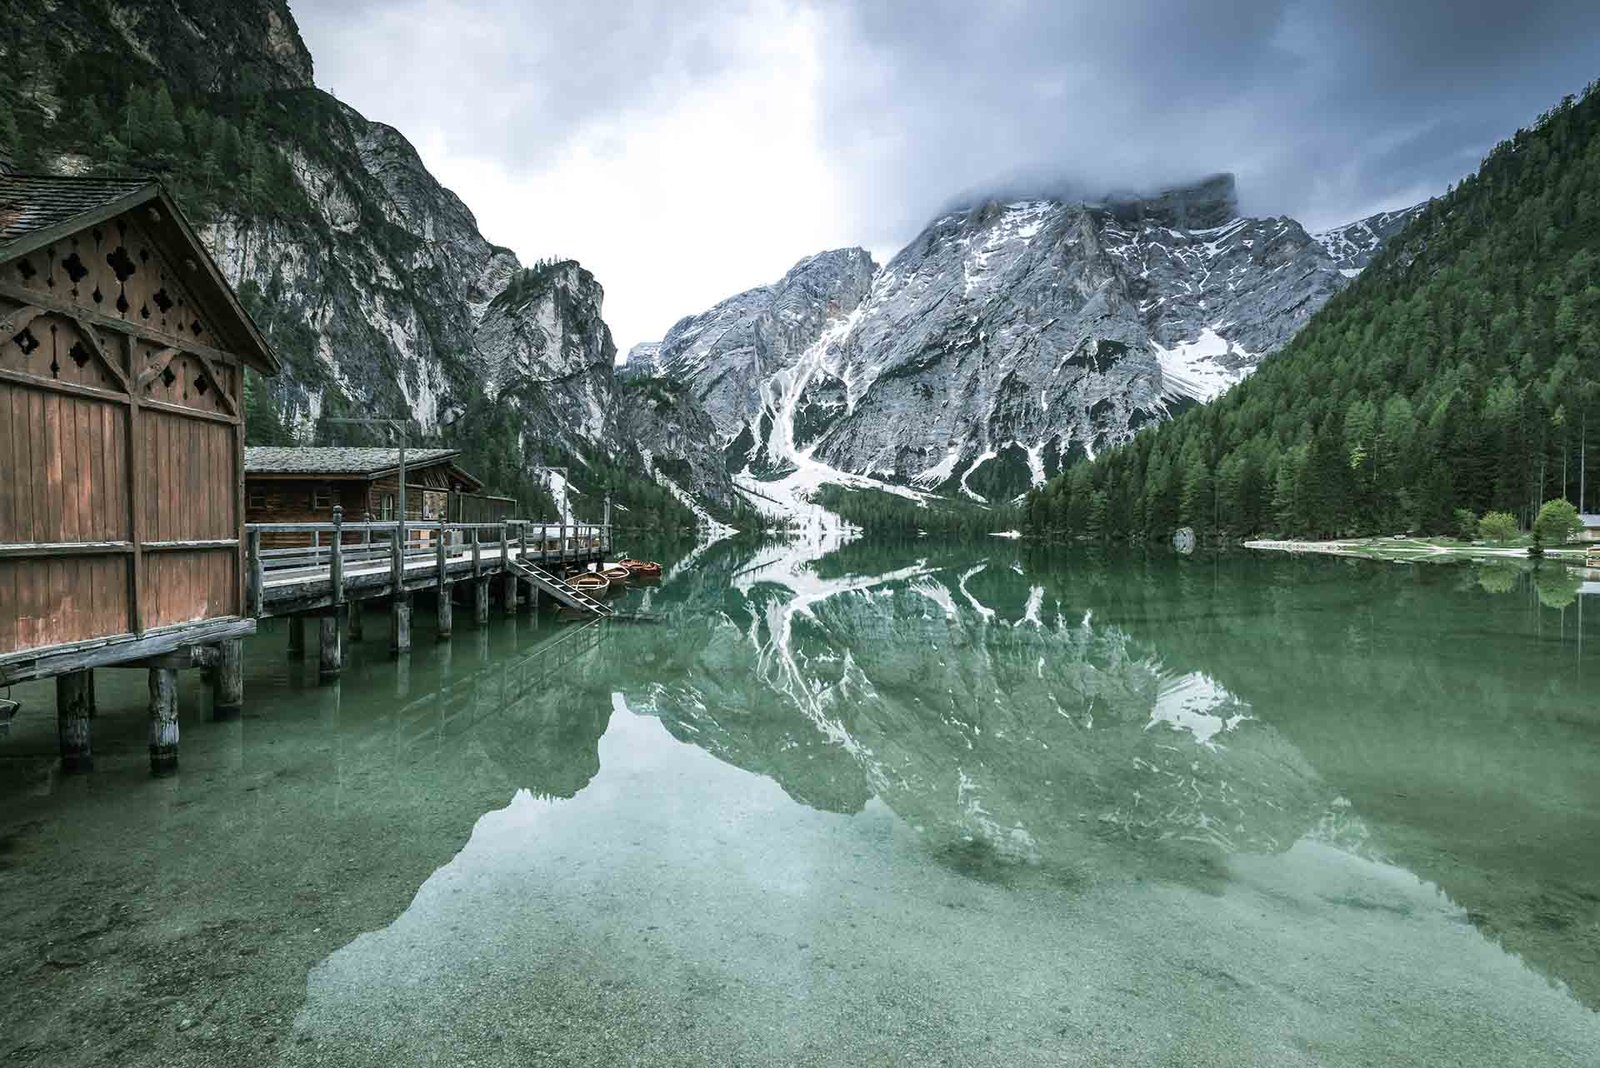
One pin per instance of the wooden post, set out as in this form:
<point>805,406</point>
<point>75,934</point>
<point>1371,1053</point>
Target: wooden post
<point>163,720</point>
<point>74,708</point>
<point>446,613</point>
<point>257,575</point>
<point>480,601</point>
<point>561,548</point>
<point>297,637</point>
<point>356,616</point>
<point>227,682</point>
<point>529,592</point>
<point>330,660</point>
<point>397,559</point>
<point>336,561</point>
<point>400,623</point>
<point>508,578</point>
<point>477,554</point>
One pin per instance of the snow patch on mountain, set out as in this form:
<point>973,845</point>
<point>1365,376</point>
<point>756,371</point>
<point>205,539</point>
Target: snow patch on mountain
<point>1196,369</point>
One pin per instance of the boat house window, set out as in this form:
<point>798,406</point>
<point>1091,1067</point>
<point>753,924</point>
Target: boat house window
<point>322,498</point>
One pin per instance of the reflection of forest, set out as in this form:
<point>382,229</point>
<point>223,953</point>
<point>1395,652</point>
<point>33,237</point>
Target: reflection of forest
<point>1079,716</point>
<point>1459,723</point>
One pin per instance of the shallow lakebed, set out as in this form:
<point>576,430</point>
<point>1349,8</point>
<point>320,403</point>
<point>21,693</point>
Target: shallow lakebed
<point>912,804</point>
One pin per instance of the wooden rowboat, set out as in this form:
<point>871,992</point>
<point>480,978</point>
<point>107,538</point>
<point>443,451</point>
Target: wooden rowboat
<point>590,582</point>
<point>615,573</point>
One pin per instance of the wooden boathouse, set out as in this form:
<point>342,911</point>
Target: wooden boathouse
<point>122,359</point>
<point>305,484</point>
<point>126,539</point>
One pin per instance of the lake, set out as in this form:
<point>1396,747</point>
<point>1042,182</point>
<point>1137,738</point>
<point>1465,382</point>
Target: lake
<point>899,805</point>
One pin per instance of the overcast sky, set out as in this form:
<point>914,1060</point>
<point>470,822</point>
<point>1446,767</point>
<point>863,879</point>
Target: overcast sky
<point>684,151</point>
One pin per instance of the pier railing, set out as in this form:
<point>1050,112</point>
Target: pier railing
<point>400,551</point>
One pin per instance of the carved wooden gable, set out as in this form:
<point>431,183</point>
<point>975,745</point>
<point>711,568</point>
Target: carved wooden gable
<point>115,268</point>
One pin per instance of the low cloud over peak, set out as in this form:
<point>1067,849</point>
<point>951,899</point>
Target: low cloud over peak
<point>684,152</point>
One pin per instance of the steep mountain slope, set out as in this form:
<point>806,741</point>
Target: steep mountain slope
<point>1008,339</point>
<point>371,279</point>
<point>1459,373</point>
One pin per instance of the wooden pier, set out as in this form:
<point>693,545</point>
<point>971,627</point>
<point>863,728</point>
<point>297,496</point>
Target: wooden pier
<point>124,540</point>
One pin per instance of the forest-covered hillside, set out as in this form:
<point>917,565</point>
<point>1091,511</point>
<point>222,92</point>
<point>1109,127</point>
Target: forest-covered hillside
<point>1461,371</point>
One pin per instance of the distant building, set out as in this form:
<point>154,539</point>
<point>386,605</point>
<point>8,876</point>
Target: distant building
<point>302,485</point>
<point>1591,528</point>
<point>122,361</point>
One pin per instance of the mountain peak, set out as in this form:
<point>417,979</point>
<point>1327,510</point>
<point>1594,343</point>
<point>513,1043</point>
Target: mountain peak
<point>1210,202</point>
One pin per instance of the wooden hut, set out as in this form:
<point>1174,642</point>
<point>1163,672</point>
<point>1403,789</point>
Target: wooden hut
<point>122,358</point>
<point>302,485</point>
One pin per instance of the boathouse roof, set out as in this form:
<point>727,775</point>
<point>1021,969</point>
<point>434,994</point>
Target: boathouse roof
<point>38,210</point>
<point>30,203</point>
<point>337,461</point>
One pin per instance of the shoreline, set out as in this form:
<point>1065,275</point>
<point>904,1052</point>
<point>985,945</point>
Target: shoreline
<point>1408,549</point>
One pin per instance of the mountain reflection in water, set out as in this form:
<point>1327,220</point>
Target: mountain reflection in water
<point>1053,809</point>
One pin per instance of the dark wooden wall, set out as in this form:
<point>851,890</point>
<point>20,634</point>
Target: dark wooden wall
<point>121,445</point>
<point>288,499</point>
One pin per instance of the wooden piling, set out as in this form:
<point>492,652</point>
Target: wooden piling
<point>508,578</point>
<point>336,559</point>
<point>400,623</point>
<point>529,591</point>
<point>74,709</point>
<point>446,607</point>
<point>357,632</point>
<point>297,637</point>
<point>256,583</point>
<point>227,680</point>
<point>163,720</point>
<point>330,658</point>
<point>480,602</point>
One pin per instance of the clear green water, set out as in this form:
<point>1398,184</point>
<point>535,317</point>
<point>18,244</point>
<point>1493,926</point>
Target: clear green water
<point>888,806</point>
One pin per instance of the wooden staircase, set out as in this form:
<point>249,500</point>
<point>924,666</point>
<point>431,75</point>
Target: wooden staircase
<point>559,589</point>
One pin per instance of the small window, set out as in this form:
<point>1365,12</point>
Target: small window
<point>388,506</point>
<point>257,498</point>
<point>322,499</point>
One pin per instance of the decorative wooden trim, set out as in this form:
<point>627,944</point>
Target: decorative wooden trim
<point>18,320</point>
<point>154,365</point>
<point>193,413</point>
<point>203,543</point>
<point>50,660</point>
<point>210,370</point>
<point>98,348</point>
<point>65,548</point>
<point>12,291</point>
<point>58,386</point>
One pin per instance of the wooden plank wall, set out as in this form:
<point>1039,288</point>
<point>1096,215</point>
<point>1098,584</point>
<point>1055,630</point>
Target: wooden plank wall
<point>188,471</point>
<point>120,436</point>
<point>180,586</point>
<point>66,477</point>
<point>65,480</point>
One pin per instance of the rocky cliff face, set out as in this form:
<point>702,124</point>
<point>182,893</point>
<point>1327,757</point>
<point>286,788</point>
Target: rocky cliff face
<point>1008,339</point>
<point>371,279</point>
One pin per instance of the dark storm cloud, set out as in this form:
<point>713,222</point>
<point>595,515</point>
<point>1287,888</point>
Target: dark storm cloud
<point>1324,109</point>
